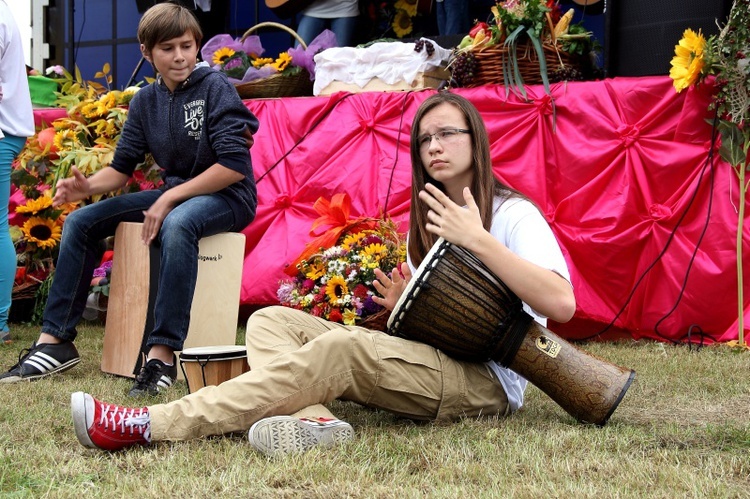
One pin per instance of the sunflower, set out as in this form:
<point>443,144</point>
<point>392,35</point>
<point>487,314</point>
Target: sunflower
<point>34,206</point>
<point>689,61</point>
<point>376,250</point>
<point>352,239</point>
<point>43,232</point>
<point>261,61</point>
<point>94,109</point>
<point>282,61</point>
<point>402,25</point>
<point>66,140</point>
<point>408,6</point>
<point>222,55</point>
<point>336,289</point>
<point>315,271</point>
<point>110,99</point>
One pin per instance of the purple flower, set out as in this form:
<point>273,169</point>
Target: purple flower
<point>370,306</point>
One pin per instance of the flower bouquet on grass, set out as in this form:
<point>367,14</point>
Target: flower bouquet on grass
<point>333,276</point>
<point>36,239</point>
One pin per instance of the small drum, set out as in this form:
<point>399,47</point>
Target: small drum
<point>212,365</point>
<point>456,304</point>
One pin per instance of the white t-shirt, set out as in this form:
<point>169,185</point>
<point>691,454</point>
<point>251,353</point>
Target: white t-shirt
<point>519,225</point>
<point>332,9</point>
<point>16,114</point>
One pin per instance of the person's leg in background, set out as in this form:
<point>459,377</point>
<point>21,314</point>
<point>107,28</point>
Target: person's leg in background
<point>453,17</point>
<point>310,27</point>
<point>10,146</point>
<point>344,29</point>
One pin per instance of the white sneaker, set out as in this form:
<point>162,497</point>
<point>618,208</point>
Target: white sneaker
<point>286,434</point>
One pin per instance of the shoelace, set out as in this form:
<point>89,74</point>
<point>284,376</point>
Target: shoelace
<point>147,374</point>
<point>23,355</point>
<point>135,419</point>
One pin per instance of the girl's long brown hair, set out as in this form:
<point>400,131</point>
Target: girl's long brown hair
<point>484,187</point>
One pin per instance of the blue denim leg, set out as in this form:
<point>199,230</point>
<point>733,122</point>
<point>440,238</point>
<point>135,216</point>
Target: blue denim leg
<point>343,28</point>
<point>10,146</point>
<point>310,27</point>
<point>453,17</point>
<point>82,231</point>
<point>181,230</point>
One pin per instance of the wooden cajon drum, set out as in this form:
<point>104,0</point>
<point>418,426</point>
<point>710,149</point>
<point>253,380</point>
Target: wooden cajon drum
<point>216,302</point>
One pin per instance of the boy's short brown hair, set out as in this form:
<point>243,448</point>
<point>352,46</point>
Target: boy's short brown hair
<point>165,21</point>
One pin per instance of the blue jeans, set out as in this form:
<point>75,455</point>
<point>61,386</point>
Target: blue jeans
<point>178,238</point>
<point>10,146</point>
<point>342,27</point>
<point>453,17</point>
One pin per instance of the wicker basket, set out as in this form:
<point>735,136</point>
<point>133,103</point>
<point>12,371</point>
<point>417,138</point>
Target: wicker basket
<point>277,85</point>
<point>377,321</point>
<point>25,290</point>
<point>490,63</point>
<point>23,301</point>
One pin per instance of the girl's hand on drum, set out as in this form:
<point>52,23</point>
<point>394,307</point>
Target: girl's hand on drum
<point>392,287</point>
<point>457,224</point>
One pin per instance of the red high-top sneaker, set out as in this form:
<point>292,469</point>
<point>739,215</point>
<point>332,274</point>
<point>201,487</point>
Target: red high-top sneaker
<point>107,426</point>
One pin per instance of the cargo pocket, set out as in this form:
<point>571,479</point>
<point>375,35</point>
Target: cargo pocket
<point>410,378</point>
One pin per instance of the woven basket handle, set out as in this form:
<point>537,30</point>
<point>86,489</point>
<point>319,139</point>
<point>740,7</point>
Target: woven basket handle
<point>270,24</point>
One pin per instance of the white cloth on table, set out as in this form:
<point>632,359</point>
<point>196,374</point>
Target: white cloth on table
<point>390,61</point>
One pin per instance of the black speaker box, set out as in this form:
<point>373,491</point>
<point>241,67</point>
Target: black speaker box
<point>641,34</point>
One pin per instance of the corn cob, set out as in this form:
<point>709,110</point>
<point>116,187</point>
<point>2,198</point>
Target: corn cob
<point>562,26</point>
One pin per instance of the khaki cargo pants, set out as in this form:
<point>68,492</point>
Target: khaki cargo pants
<point>299,362</point>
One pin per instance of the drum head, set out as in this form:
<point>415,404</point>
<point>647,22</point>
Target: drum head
<point>215,352</point>
<point>423,271</point>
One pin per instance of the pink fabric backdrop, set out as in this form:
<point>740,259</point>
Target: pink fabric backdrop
<point>621,173</point>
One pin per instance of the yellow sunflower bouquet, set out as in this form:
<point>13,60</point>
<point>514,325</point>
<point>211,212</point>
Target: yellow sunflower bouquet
<point>86,137</point>
<point>725,58</point>
<point>243,60</point>
<point>335,282</point>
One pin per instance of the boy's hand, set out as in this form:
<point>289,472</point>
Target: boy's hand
<point>71,189</point>
<point>391,288</point>
<point>154,216</point>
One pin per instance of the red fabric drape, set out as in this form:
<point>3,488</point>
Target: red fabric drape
<point>619,168</point>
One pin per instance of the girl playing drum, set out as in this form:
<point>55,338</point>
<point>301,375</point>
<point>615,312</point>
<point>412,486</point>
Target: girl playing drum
<point>300,362</point>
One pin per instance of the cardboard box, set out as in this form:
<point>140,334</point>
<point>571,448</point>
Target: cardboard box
<point>429,79</point>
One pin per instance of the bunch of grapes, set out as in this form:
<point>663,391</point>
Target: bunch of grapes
<point>463,67</point>
<point>426,44</point>
<point>566,73</point>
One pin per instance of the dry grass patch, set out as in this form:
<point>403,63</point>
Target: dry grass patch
<point>681,431</point>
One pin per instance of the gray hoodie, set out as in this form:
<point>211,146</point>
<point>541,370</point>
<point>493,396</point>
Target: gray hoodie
<point>186,131</point>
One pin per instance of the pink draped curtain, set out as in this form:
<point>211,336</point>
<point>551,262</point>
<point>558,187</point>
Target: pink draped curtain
<point>620,168</point>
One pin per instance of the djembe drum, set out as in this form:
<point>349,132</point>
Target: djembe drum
<point>212,365</point>
<point>456,304</point>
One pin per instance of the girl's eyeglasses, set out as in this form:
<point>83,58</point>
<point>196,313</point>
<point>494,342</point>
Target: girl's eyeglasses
<point>444,136</point>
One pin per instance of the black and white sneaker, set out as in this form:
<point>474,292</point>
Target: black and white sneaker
<point>42,360</point>
<point>154,377</point>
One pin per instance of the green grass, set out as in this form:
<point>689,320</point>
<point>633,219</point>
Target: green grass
<point>683,430</point>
